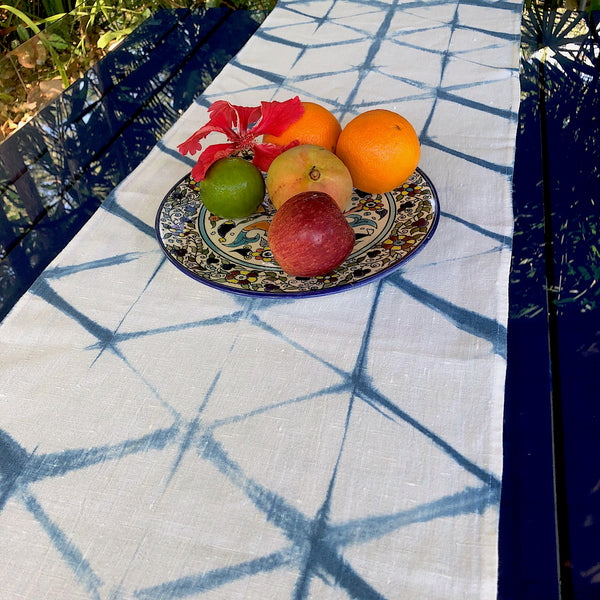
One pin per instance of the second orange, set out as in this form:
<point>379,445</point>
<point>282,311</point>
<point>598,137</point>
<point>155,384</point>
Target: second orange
<point>316,126</point>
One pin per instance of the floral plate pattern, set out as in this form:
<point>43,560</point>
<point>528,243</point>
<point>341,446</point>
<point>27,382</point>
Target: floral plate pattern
<point>234,255</point>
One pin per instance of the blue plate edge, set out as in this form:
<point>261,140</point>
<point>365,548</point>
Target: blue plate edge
<point>307,293</point>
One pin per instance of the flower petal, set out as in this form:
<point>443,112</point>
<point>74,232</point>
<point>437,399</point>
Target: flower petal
<point>223,115</point>
<point>193,145</point>
<point>278,116</point>
<point>265,154</point>
<point>208,157</point>
<point>247,115</point>
<point>227,116</point>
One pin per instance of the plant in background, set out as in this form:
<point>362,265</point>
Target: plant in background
<point>47,44</point>
<point>43,39</point>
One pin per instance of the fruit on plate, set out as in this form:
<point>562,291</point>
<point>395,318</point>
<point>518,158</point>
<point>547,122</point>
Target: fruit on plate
<point>381,150</point>
<point>317,126</point>
<point>309,168</point>
<point>309,235</point>
<point>232,188</point>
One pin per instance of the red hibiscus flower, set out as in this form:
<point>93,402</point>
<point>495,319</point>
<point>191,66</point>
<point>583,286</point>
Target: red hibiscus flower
<point>242,125</point>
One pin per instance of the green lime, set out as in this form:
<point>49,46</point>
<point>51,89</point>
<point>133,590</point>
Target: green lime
<point>232,188</point>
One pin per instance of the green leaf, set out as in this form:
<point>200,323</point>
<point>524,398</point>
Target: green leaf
<point>56,59</point>
<point>22,33</point>
<point>57,42</point>
<point>53,18</point>
<point>109,36</point>
<point>584,273</point>
<point>53,6</point>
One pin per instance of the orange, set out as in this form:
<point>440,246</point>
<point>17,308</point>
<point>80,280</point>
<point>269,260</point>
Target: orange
<point>316,126</point>
<point>381,150</point>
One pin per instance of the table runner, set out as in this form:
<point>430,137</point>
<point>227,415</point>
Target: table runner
<point>163,439</point>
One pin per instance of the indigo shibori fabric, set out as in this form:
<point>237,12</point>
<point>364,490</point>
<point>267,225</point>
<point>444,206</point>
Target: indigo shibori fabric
<point>163,439</point>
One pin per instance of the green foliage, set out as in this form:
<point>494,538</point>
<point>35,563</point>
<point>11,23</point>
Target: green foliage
<point>49,47</point>
<point>110,36</point>
<point>16,16</point>
<point>42,41</point>
<point>587,5</point>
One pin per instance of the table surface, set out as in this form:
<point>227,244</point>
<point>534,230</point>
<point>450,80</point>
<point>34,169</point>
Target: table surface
<point>56,170</point>
<point>552,416</point>
<point>528,511</point>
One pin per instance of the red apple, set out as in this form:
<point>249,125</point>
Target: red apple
<point>309,235</point>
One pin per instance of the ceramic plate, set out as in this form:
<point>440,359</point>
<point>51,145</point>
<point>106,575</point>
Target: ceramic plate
<point>234,256</point>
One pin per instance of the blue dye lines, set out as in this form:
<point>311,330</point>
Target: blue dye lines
<point>313,546</point>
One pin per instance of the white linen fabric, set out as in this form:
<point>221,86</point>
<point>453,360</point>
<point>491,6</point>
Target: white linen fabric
<point>163,439</point>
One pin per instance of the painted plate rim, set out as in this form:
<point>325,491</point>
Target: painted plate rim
<point>342,287</point>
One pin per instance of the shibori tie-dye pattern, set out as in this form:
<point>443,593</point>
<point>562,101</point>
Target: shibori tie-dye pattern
<point>162,439</point>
